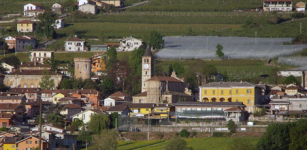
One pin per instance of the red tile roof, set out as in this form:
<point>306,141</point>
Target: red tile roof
<point>234,109</point>
<point>72,106</point>
<point>162,78</point>
<point>75,39</point>
<point>118,108</point>
<point>118,94</point>
<point>32,72</point>
<point>6,116</point>
<point>32,64</point>
<point>36,4</point>
<point>8,106</point>
<point>141,94</point>
<point>25,21</point>
<point>35,10</point>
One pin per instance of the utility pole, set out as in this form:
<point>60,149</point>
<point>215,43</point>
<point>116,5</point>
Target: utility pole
<point>115,123</point>
<point>300,28</point>
<point>86,144</point>
<point>148,127</point>
<point>40,126</point>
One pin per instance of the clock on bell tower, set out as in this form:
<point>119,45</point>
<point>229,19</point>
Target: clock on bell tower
<point>147,68</point>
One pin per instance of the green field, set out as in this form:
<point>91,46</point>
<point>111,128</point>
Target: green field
<point>201,5</point>
<point>216,143</point>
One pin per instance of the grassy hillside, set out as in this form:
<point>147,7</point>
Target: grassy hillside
<point>200,5</point>
<point>197,144</point>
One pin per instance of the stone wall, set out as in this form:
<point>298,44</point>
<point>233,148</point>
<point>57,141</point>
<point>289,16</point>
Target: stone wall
<point>22,81</point>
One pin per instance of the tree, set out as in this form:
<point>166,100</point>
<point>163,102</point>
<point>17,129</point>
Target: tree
<point>155,40</point>
<point>241,144</point>
<point>66,84</point>
<point>98,123</point>
<point>77,83</point>
<point>177,67</point>
<point>111,57</point>
<point>68,6</point>
<point>276,137</point>
<point>55,118</point>
<point>135,59</point>
<point>219,53</point>
<point>290,80</point>
<point>184,133</point>
<point>45,26</point>
<point>5,47</point>
<point>207,71</point>
<point>260,112</point>
<point>177,144</point>
<point>107,87</point>
<point>113,118</point>
<point>106,140</point>
<point>11,60</point>
<point>89,84</point>
<point>298,135</point>
<point>3,129</point>
<point>231,126</point>
<point>46,83</point>
<point>76,124</point>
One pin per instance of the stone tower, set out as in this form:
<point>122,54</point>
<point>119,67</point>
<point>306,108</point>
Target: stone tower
<point>147,68</point>
<point>83,68</point>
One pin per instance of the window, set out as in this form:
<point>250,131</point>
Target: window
<point>213,92</point>
<point>32,86</point>
<point>147,109</point>
<point>300,105</point>
<point>69,43</point>
<point>24,86</point>
<point>12,146</point>
<point>222,92</point>
<point>205,91</point>
<point>248,91</point>
<point>28,148</point>
<point>237,101</point>
<point>237,91</point>
<point>29,142</point>
<point>229,91</point>
<point>140,100</point>
<point>36,142</point>
<point>248,101</point>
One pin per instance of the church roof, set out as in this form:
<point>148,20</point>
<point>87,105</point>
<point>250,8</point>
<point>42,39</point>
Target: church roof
<point>148,52</point>
<point>162,78</point>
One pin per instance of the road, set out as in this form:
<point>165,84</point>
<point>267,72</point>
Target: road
<point>48,43</point>
<point>137,4</point>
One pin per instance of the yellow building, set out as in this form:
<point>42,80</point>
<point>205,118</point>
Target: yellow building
<point>25,26</point>
<point>163,111</point>
<point>9,143</point>
<point>140,109</point>
<point>249,94</point>
<point>98,64</point>
<point>56,97</point>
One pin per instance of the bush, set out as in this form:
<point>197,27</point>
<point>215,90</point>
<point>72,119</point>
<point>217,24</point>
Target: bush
<point>187,121</point>
<point>184,133</point>
<point>193,134</point>
<point>3,129</point>
<point>208,120</point>
<point>241,144</point>
<point>177,144</point>
<point>231,126</point>
<point>218,134</point>
<point>197,120</point>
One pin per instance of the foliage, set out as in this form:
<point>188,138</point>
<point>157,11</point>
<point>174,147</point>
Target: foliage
<point>207,71</point>
<point>208,120</point>
<point>231,126</point>
<point>177,67</point>
<point>66,84</point>
<point>184,133</point>
<point>44,27</point>
<point>106,140</point>
<point>77,123</point>
<point>218,134</point>
<point>111,57</point>
<point>277,136</point>
<point>298,135</point>
<point>197,120</point>
<point>241,144</point>
<point>68,6</point>
<point>219,53</point>
<point>187,120</point>
<point>98,123</point>
<point>299,39</point>
<point>135,59</point>
<point>11,60</point>
<point>304,52</point>
<point>46,83</point>
<point>297,15</point>
<point>113,120</point>
<point>37,119</point>
<point>155,40</point>
<point>177,144</point>
<point>77,83</point>
<point>89,84</point>
<point>3,129</point>
<point>55,118</point>
<point>107,87</point>
<point>260,112</point>
<point>290,80</point>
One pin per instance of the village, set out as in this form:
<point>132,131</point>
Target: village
<point>66,97</point>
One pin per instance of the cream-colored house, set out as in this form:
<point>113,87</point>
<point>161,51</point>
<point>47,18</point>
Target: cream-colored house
<point>41,55</point>
<point>88,8</point>
<point>277,5</point>
<point>85,116</point>
<point>300,6</point>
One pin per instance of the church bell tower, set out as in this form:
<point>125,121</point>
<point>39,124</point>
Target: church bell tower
<point>147,68</point>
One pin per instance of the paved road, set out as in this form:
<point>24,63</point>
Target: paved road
<point>48,43</point>
<point>137,4</point>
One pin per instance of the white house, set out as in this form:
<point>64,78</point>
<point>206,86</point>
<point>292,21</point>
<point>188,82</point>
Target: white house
<point>71,109</point>
<point>277,5</point>
<point>40,55</point>
<point>57,8</point>
<point>117,99</point>
<point>300,6</point>
<point>88,8</point>
<point>129,44</point>
<point>85,116</point>
<point>286,73</point>
<point>82,2</point>
<point>50,127</point>
<point>58,24</point>
<point>122,110</point>
<point>32,9</point>
<point>9,68</point>
<point>75,44</point>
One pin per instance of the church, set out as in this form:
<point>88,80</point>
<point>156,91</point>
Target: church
<point>159,89</point>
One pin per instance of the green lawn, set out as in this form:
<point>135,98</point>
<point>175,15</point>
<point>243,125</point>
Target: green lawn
<point>216,143</point>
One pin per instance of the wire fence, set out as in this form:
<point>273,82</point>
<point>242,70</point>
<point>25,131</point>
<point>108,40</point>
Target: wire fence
<point>204,47</point>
